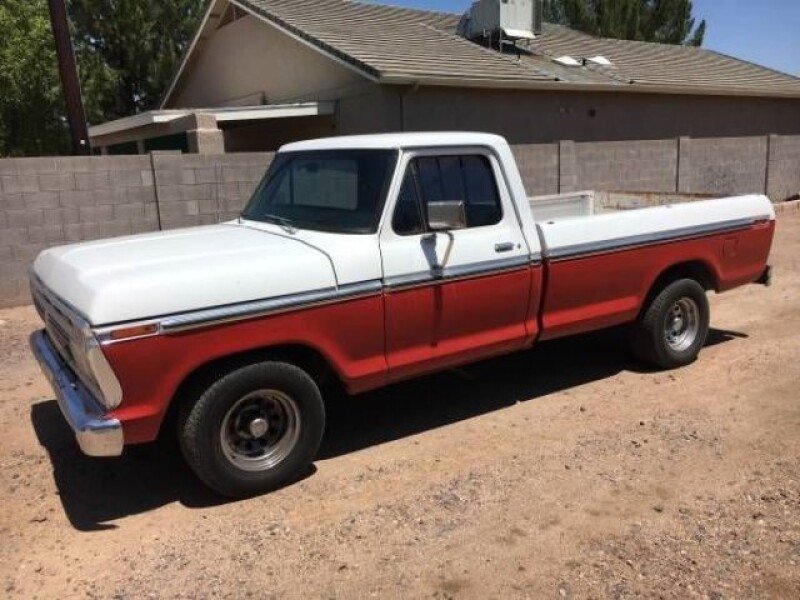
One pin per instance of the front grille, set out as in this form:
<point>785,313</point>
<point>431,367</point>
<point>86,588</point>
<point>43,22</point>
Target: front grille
<point>62,331</point>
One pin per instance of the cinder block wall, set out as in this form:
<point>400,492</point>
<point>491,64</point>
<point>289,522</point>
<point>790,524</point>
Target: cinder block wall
<point>723,165</point>
<point>783,169</point>
<point>538,165</point>
<point>645,166</point>
<point>52,201</point>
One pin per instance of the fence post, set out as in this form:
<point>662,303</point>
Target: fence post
<point>567,167</point>
<point>683,183</point>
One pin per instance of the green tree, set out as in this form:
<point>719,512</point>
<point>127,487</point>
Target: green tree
<point>664,21</point>
<point>139,41</point>
<point>32,114</point>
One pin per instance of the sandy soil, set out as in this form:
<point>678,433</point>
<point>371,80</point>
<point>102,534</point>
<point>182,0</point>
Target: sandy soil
<point>563,472</point>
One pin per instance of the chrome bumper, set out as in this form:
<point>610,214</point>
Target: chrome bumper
<point>96,435</point>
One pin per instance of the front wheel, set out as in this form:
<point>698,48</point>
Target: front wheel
<point>674,326</point>
<point>254,430</point>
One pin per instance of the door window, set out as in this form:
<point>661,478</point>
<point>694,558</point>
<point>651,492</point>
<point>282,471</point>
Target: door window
<point>467,178</point>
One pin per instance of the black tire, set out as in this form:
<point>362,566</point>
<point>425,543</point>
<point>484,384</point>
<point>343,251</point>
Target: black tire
<point>212,454</point>
<point>656,336</point>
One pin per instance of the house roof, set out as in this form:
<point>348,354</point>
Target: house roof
<point>399,45</point>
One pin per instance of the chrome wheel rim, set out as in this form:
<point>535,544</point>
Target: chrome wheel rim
<point>260,430</point>
<point>682,324</point>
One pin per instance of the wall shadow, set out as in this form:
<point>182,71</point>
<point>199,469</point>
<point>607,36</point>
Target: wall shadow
<point>97,492</point>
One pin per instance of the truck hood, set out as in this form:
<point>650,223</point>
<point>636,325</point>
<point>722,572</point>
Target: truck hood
<point>155,274</point>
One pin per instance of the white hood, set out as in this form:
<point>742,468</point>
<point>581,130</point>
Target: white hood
<point>156,274</point>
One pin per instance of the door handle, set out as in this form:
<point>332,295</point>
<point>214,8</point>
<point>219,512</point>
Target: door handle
<point>504,247</point>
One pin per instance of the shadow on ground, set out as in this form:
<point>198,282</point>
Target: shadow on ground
<point>96,492</point>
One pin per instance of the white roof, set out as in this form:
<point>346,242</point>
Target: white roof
<point>397,141</point>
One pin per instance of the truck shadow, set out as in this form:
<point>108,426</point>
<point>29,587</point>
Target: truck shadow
<point>97,492</point>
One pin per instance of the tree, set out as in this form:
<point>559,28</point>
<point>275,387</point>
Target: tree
<point>664,21</point>
<point>32,120</point>
<point>139,41</point>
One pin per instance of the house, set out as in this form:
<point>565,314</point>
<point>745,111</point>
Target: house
<point>260,73</point>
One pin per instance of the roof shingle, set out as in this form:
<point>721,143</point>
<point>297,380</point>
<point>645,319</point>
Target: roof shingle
<point>393,44</point>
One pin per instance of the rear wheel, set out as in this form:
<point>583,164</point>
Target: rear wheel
<point>254,430</point>
<point>674,326</point>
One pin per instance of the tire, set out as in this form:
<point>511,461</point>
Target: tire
<point>255,430</point>
<point>673,328</point>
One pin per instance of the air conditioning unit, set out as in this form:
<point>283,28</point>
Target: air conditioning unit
<point>506,19</point>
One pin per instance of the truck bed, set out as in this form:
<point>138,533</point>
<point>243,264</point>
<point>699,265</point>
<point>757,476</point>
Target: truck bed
<point>600,266</point>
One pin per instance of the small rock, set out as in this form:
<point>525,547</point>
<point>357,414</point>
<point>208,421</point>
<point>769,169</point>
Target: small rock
<point>582,409</point>
<point>658,508</point>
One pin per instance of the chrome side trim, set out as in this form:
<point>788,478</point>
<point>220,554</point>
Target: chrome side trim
<point>96,434</point>
<point>648,239</point>
<point>269,306</point>
<point>455,273</point>
<point>258,308</point>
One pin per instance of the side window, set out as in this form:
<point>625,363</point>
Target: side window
<point>483,201</point>
<point>407,219</point>
<point>467,179</point>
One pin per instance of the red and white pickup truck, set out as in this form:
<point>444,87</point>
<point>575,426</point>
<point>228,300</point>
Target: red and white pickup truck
<point>363,260</point>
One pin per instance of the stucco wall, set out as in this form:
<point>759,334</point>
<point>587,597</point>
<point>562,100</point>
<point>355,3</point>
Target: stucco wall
<point>531,117</point>
<point>252,61</point>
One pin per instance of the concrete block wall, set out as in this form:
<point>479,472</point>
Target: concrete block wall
<point>538,165</point>
<point>53,201</point>
<point>723,165</point>
<point>645,166</point>
<point>195,189</point>
<point>783,169</point>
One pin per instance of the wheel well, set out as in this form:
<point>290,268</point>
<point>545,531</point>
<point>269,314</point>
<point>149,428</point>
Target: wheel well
<point>304,357</point>
<point>695,269</point>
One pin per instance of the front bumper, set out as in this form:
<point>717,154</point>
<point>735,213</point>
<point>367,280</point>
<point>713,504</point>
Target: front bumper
<point>96,434</point>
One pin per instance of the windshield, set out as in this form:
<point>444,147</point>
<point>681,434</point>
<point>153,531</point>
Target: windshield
<point>341,191</point>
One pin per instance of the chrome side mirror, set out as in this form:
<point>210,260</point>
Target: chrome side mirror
<point>447,215</point>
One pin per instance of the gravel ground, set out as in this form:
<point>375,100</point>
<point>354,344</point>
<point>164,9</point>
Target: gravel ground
<point>562,472</point>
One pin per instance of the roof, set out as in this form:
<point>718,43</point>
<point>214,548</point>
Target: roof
<point>396,45</point>
<point>236,113</point>
<point>387,141</point>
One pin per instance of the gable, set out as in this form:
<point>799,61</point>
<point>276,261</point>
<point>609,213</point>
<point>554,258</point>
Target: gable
<point>243,60</point>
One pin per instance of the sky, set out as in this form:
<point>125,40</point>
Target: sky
<point>766,32</point>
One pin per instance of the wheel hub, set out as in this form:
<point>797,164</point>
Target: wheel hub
<point>682,324</point>
<point>258,427</point>
<point>260,430</point>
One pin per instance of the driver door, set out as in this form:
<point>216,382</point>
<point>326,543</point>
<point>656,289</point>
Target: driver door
<point>455,295</point>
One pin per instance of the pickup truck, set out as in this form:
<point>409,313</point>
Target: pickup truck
<point>359,262</point>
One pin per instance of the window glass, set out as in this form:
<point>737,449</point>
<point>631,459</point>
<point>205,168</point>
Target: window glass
<point>483,202</point>
<point>341,191</point>
<point>430,179</point>
<point>452,179</point>
<point>467,179</point>
<point>331,183</point>
<point>407,219</point>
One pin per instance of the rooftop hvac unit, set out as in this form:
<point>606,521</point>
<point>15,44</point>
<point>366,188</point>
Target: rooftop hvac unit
<point>503,19</point>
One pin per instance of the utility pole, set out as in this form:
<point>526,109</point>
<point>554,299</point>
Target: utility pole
<point>69,78</point>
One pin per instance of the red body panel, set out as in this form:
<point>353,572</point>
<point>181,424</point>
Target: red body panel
<point>398,334</point>
<point>448,323</point>
<point>603,290</point>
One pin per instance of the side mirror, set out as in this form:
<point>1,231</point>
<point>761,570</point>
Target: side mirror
<point>447,215</point>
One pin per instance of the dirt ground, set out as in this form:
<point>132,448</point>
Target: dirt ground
<point>562,472</point>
